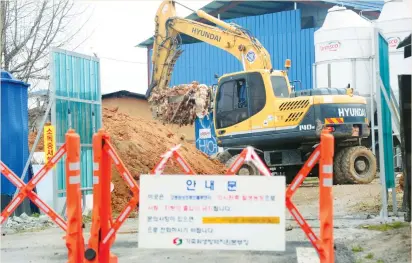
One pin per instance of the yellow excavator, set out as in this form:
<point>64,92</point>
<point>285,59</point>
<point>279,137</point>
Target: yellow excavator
<point>259,107</point>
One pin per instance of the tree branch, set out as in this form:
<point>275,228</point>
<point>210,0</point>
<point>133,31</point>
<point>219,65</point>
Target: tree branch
<point>35,27</point>
<point>17,48</point>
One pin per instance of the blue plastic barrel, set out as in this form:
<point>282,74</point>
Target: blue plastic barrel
<point>14,128</point>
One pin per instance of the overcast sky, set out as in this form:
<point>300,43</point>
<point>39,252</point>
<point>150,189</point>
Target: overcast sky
<point>112,31</point>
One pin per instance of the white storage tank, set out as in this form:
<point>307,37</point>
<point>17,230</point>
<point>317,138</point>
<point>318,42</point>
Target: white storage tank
<point>343,53</point>
<point>395,23</point>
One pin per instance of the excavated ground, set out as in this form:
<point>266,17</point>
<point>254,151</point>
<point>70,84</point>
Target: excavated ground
<point>140,143</point>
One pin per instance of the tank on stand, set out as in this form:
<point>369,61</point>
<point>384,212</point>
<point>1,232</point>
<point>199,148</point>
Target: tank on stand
<point>343,53</point>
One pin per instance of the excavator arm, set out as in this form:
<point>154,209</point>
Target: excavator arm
<point>229,37</point>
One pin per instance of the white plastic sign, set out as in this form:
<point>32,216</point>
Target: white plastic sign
<point>212,212</point>
<point>205,133</point>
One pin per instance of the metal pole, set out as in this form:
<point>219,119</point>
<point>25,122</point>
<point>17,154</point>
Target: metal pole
<point>54,122</point>
<point>397,123</point>
<point>69,119</point>
<point>314,76</point>
<point>93,122</point>
<point>33,148</point>
<point>384,210</point>
<point>329,76</point>
<point>372,112</point>
<point>382,89</point>
<point>353,83</point>
<point>394,202</point>
<point>392,108</point>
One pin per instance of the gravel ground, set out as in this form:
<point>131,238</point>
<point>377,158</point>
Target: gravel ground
<point>354,209</point>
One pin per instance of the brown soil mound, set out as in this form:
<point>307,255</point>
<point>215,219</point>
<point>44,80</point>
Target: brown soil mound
<point>140,142</point>
<point>401,182</point>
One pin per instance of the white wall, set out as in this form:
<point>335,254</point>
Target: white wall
<point>45,188</point>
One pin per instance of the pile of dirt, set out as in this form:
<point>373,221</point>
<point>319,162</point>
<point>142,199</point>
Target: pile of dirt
<point>401,181</point>
<point>140,143</point>
<point>180,104</point>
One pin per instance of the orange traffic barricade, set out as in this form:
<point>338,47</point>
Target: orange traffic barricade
<point>103,230</point>
<point>27,190</point>
<point>73,226</point>
<point>172,153</point>
<point>74,234</point>
<point>323,153</point>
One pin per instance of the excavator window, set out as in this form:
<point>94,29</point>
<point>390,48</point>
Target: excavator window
<point>241,95</point>
<point>257,92</point>
<point>280,86</point>
<point>232,103</point>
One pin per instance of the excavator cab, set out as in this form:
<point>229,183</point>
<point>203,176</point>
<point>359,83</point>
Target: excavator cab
<point>244,101</point>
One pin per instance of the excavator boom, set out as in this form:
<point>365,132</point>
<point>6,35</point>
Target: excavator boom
<point>229,37</point>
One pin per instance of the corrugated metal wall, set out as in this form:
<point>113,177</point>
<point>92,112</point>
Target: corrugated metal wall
<point>280,33</point>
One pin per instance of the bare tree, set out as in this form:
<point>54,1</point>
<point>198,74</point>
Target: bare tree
<point>30,28</point>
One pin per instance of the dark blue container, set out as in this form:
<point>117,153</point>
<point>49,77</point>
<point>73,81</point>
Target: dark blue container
<point>14,128</point>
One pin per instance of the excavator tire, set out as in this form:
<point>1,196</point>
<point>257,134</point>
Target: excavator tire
<point>222,157</point>
<point>248,168</point>
<point>358,165</point>
<point>338,175</point>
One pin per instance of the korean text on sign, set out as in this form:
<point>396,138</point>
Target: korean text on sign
<point>49,142</point>
<point>212,212</point>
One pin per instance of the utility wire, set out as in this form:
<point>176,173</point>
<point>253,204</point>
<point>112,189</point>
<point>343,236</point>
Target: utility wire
<point>127,61</point>
<point>194,11</point>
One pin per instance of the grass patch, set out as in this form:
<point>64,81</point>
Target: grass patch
<point>369,256</point>
<point>35,215</point>
<point>311,179</point>
<point>357,249</point>
<point>379,261</point>
<point>387,226</point>
<point>34,229</point>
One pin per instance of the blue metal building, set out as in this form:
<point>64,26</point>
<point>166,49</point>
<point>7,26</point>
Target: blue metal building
<point>285,28</point>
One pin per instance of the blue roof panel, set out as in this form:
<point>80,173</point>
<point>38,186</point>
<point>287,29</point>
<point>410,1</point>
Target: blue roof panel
<point>360,5</point>
<point>237,9</point>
